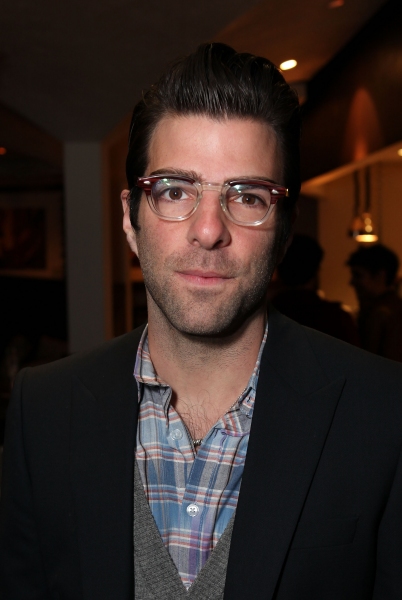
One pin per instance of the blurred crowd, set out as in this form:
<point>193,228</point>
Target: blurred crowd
<point>377,327</point>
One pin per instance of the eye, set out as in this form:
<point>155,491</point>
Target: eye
<point>168,190</point>
<point>249,196</point>
<point>249,200</point>
<point>174,193</point>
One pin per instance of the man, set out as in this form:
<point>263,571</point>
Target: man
<point>374,272</point>
<point>310,427</point>
<point>298,297</point>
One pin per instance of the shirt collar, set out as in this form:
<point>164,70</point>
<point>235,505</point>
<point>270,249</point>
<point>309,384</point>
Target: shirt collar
<point>144,371</point>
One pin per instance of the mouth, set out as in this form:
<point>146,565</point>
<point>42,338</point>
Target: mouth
<point>205,278</point>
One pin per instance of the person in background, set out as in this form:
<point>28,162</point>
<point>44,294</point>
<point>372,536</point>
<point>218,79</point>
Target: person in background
<point>298,298</point>
<point>374,272</point>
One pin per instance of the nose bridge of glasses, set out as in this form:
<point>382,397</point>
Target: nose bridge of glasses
<point>207,186</point>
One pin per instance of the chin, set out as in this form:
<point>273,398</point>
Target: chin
<point>221,325</point>
<point>205,331</point>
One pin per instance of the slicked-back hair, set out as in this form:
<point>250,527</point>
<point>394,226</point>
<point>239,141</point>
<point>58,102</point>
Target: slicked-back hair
<point>218,82</point>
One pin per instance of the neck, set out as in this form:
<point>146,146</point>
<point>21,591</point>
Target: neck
<point>206,374</point>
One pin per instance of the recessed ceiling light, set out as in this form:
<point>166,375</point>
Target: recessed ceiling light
<point>335,3</point>
<point>400,151</point>
<point>2,150</point>
<point>288,64</point>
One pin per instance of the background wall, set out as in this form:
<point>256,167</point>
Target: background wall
<point>335,194</point>
<point>352,112</point>
<point>353,106</point>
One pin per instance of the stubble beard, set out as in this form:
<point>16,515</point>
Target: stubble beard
<point>205,312</point>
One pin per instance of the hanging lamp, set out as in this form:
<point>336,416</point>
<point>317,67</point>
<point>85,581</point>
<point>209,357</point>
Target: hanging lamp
<point>362,228</point>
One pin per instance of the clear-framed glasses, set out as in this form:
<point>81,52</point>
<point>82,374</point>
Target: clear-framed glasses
<point>244,201</point>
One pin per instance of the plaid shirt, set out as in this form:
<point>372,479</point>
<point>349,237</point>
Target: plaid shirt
<point>192,495</point>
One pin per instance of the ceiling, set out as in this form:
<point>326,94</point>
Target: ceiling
<point>77,68</point>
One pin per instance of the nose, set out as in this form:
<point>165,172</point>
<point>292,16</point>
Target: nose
<point>208,227</point>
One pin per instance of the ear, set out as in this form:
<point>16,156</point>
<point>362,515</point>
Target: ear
<point>127,227</point>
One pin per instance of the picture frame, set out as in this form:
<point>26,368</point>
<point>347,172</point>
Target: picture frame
<point>31,234</point>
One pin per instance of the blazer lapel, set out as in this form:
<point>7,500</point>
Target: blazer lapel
<point>294,408</point>
<point>103,425</point>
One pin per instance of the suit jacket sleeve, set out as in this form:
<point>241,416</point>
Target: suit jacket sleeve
<point>21,567</point>
<point>388,583</point>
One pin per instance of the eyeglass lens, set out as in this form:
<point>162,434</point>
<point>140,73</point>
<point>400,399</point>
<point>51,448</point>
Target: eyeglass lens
<point>246,203</point>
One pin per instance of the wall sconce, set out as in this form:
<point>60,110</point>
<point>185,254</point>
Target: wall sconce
<point>362,228</point>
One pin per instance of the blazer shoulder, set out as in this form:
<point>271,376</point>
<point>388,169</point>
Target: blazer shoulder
<point>339,355</point>
<point>296,349</point>
<point>111,357</point>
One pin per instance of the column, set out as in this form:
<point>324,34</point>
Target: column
<point>88,252</point>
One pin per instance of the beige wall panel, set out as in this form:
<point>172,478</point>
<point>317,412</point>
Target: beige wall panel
<point>336,200</point>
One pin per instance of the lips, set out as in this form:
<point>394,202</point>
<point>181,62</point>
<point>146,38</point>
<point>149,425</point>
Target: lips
<point>203,277</point>
<point>206,274</point>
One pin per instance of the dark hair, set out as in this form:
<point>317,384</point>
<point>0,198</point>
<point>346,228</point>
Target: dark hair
<point>219,82</point>
<point>301,262</point>
<point>375,259</point>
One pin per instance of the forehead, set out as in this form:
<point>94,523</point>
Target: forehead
<point>215,149</point>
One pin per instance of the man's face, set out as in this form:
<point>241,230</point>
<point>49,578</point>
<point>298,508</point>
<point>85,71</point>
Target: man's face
<point>207,275</point>
<point>368,286</point>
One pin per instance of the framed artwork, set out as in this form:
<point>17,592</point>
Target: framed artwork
<point>31,234</point>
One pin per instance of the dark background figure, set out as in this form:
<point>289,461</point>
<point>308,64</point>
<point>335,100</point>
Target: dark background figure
<point>374,277</point>
<point>298,298</point>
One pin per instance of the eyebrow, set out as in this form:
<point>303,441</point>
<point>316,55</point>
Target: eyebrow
<point>179,172</point>
<point>198,176</point>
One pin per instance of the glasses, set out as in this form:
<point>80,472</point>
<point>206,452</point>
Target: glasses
<point>244,201</point>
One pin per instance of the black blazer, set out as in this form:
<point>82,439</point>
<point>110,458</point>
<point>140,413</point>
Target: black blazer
<point>320,509</point>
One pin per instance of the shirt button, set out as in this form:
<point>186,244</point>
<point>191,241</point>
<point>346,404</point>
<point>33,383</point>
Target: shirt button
<point>193,510</point>
<point>176,434</point>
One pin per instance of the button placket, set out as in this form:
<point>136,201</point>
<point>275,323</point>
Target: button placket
<point>176,438</point>
<point>224,436</point>
<point>193,510</point>
<point>191,506</point>
<point>176,434</point>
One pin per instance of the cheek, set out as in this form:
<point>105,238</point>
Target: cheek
<point>152,242</point>
<point>267,242</point>
<point>263,256</point>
